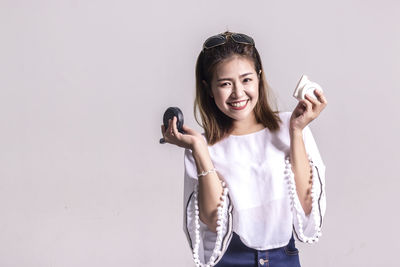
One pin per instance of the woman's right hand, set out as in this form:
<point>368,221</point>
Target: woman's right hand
<point>173,136</point>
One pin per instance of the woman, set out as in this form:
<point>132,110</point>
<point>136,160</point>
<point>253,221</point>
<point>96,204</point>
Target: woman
<point>255,176</point>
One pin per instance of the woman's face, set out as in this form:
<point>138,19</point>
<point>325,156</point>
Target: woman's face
<point>235,87</point>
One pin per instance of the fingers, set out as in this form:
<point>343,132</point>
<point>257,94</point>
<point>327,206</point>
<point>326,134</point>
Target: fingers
<point>171,133</point>
<point>321,97</point>
<point>306,104</point>
<point>317,103</point>
<point>174,127</point>
<point>167,133</point>
<point>311,99</point>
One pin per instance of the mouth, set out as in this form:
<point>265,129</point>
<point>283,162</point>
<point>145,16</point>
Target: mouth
<point>239,104</point>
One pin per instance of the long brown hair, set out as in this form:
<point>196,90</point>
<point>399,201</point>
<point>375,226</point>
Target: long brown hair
<point>216,124</point>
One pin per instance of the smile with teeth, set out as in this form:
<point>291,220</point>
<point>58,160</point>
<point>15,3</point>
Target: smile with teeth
<point>238,104</point>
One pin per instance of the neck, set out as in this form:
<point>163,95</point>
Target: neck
<point>247,126</point>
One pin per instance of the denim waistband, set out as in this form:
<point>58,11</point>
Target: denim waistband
<point>238,254</point>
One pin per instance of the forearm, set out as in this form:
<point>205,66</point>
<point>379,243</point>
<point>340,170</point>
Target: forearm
<point>301,169</point>
<point>210,187</point>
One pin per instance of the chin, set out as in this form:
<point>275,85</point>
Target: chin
<point>240,117</point>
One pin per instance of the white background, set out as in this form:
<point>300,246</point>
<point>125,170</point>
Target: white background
<point>83,87</point>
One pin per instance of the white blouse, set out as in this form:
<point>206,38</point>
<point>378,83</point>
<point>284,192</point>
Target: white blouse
<point>262,205</point>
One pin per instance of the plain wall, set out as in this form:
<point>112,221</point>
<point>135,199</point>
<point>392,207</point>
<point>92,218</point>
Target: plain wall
<point>83,87</point>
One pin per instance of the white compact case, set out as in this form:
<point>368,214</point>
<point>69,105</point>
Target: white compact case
<point>305,86</point>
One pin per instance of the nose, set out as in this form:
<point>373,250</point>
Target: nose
<point>238,90</point>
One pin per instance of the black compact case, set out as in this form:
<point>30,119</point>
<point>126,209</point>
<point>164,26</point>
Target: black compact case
<point>169,114</point>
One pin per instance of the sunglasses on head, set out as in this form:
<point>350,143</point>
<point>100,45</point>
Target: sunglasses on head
<point>221,39</point>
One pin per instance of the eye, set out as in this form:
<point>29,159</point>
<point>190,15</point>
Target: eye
<point>247,79</point>
<point>222,85</point>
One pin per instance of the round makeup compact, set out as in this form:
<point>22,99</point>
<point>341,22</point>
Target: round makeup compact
<point>169,114</point>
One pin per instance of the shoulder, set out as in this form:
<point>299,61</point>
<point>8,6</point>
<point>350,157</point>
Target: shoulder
<point>285,115</point>
<point>285,118</point>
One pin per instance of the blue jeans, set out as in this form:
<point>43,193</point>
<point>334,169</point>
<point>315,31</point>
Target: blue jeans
<point>239,255</point>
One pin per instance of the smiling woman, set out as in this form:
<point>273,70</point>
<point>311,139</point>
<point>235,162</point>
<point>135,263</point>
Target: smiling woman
<point>232,72</point>
<point>239,92</point>
<point>254,179</point>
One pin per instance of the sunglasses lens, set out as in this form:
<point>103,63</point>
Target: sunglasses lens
<point>214,41</point>
<point>220,39</point>
<point>242,38</point>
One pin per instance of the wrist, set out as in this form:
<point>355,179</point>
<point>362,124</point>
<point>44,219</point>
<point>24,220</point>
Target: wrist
<point>198,147</point>
<point>296,132</point>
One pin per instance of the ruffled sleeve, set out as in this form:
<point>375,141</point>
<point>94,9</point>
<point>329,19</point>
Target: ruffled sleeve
<point>308,227</point>
<point>207,247</point>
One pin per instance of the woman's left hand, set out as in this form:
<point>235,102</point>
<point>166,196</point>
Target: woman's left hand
<point>307,110</point>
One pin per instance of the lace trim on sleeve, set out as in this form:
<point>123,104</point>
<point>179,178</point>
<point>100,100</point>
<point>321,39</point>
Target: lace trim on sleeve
<point>307,227</point>
<point>199,232</point>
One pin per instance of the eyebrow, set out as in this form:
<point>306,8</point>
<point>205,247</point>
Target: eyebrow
<point>244,74</point>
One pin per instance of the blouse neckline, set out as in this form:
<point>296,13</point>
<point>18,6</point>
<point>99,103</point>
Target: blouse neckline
<point>249,134</point>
